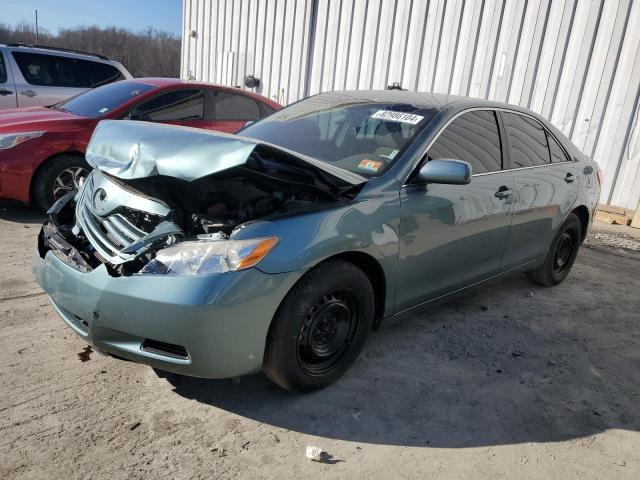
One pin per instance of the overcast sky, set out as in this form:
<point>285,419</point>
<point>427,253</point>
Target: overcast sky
<point>131,14</point>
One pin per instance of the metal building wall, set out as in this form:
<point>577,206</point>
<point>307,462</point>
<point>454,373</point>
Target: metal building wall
<point>577,62</point>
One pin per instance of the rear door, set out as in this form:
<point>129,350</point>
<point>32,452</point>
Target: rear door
<point>43,79</point>
<point>455,235</point>
<point>7,88</point>
<point>546,190</point>
<point>230,111</point>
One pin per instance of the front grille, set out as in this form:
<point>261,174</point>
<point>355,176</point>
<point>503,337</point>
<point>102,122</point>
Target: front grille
<point>110,233</point>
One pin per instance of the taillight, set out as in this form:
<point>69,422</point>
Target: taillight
<point>600,177</point>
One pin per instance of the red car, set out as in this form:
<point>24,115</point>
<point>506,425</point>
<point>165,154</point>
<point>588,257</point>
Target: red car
<point>42,148</point>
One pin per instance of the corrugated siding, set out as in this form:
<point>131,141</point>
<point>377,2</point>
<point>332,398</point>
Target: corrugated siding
<point>577,62</point>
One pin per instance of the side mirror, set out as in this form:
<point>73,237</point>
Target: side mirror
<point>452,172</point>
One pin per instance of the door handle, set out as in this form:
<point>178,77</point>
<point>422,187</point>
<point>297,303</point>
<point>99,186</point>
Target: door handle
<point>503,192</point>
<point>4,92</point>
<point>569,178</point>
<point>28,93</point>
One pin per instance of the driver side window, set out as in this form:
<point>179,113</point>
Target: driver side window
<point>473,137</point>
<point>173,106</point>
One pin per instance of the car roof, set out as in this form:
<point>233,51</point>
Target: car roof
<point>423,100</point>
<point>164,82</point>
<point>172,82</point>
<point>50,50</point>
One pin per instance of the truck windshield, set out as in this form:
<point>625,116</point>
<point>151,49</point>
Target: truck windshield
<point>99,101</point>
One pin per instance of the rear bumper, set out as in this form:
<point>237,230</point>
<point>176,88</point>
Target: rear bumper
<point>220,321</point>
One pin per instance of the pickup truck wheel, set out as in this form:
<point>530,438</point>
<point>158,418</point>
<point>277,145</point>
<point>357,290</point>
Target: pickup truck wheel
<point>561,255</point>
<point>57,177</point>
<point>320,327</point>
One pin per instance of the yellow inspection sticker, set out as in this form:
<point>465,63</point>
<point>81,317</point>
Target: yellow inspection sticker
<point>392,116</point>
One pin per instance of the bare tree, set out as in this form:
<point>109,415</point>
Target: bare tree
<point>149,53</point>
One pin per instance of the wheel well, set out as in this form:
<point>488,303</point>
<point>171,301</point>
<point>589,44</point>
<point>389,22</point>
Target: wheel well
<point>45,162</point>
<point>583,214</point>
<point>373,270</point>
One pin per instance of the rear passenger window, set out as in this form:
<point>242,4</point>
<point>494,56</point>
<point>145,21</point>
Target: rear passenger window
<point>557,153</point>
<point>528,141</point>
<point>3,70</point>
<point>50,70</point>
<point>174,106</point>
<point>473,137</point>
<point>234,107</point>
<point>100,73</point>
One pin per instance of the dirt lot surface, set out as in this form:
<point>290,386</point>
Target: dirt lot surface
<point>515,381</point>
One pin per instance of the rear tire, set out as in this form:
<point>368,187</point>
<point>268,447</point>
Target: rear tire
<point>320,327</point>
<point>561,255</point>
<point>56,177</point>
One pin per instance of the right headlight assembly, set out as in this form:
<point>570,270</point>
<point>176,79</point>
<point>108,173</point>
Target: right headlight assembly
<point>205,257</point>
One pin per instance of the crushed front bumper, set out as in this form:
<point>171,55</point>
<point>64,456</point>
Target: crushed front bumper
<point>205,326</point>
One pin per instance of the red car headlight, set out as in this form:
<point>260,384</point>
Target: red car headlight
<point>10,140</point>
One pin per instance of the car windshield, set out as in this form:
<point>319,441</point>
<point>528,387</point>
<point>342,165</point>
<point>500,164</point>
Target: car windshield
<point>361,136</point>
<point>102,100</point>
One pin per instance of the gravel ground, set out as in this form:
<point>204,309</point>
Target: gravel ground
<point>515,381</point>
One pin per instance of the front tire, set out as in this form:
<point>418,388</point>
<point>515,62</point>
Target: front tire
<point>561,255</point>
<point>320,327</point>
<point>57,177</point>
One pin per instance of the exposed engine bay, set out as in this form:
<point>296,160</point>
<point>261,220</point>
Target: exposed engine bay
<point>123,222</point>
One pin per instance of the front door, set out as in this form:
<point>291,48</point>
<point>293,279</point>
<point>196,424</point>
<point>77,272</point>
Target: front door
<point>455,235</point>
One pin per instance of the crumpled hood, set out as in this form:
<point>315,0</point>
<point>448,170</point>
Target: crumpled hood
<point>133,149</point>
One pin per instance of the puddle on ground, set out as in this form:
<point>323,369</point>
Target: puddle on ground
<point>85,354</point>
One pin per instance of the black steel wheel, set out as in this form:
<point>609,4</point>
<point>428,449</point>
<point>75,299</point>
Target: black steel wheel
<point>327,332</point>
<point>320,327</point>
<point>561,255</point>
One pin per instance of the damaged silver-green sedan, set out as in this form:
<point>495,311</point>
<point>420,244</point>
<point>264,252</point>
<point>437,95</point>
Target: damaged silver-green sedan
<point>281,248</point>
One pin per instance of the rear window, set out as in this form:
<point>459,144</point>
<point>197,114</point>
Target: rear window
<point>50,70</point>
<point>3,70</point>
<point>102,100</point>
<point>99,74</point>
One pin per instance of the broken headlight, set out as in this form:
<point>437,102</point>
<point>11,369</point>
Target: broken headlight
<point>203,257</point>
